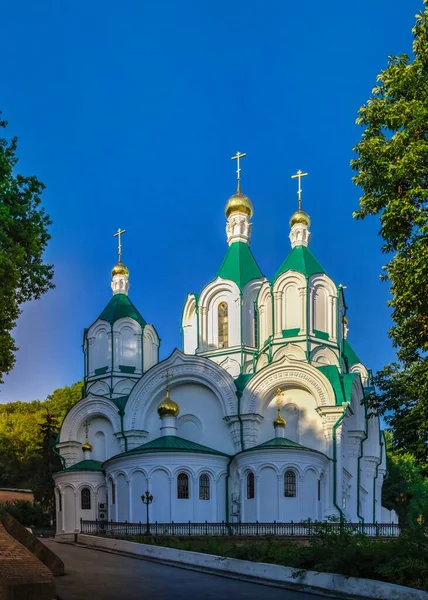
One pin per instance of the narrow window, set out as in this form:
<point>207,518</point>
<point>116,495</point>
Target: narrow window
<point>113,492</point>
<point>319,490</point>
<point>59,502</point>
<point>256,326</point>
<point>290,484</point>
<point>250,485</point>
<point>85,497</point>
<point>183,486</point>
<point>204,487</point>
<point>223,325</point>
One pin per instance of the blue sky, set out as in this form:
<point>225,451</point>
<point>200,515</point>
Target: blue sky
<point>129,113</point>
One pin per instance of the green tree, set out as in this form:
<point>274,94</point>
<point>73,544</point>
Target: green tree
<point>23,239</point>
<point>392,171</point>
<point>21,435</point>
<point>405,489</point>
<point>46,463</point>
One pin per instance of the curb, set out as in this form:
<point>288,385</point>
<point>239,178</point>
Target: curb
<point>313,582</point>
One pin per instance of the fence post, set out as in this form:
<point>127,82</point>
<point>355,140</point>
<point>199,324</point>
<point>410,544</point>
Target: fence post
<point>156,527</point>
<point>257,528</point>
<point>292,528</point>
<point>377,529</point>
<point>81,525</point>
<point>189,528</point>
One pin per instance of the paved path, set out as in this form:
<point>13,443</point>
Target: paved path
<point>96,575</point>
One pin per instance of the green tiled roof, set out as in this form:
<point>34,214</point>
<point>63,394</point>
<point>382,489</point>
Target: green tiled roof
<point>283,443</point>
<point>341,383</point>
<point>170,443</point>
<point>120,306</point>
<point>239,265</point>
<point>85,465</point>
<point>301,260</point>
<point>350,355</point>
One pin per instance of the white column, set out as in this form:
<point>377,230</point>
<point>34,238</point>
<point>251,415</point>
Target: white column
<point>256,485</point>
<point>278,313</point>
<point>213,498</point>
<point>243,498</point>
<point>332,317</point>
<point>195,497</point>
<point>129,482</point>
<point>76,511</point>
<point>302,296</point>
<point>90,351</point>
<point>139,343</point>
<point>311,310</point>
<point>62,511</point>
<point>262,326</point>
<point>171,498</point>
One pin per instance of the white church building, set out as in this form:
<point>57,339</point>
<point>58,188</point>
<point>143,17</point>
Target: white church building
<point>260,417</point>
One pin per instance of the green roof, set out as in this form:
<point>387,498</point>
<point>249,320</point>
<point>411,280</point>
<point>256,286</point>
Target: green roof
<point>350,355</point>
<point>341,383</point>
<point>239,265</point>
<point>283,443</point>
<point>120,306</point>
<point>301,260</point>
<point>85,465</point>
<point>170,443</point>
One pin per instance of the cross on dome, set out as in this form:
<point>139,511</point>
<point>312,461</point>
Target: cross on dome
<point>238,157</point>
<point>118,233</point>
<point>299,176</point>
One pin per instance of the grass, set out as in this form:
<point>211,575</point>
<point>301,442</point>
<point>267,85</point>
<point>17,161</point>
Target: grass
<point>403,561</point>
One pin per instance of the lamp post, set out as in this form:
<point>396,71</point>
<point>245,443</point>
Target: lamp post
<point>147,499</point>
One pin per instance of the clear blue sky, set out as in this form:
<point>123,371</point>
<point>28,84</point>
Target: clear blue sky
<point>130,111</point>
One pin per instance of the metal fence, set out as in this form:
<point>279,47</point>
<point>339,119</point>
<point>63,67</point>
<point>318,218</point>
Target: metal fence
<point>303,529</point>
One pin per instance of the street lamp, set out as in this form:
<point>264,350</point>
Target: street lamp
<point>147,499</point>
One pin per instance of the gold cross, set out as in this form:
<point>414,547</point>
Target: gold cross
<point>167,376</point>
<point>299,176</point>
<point>279,394</point>
<point>237,157</point>
<point>86,425</point>
<point>119,250</point>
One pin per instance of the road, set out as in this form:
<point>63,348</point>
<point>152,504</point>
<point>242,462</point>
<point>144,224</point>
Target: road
<point>100,575</point>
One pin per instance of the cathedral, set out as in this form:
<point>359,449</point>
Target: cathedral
<point>261,416</point>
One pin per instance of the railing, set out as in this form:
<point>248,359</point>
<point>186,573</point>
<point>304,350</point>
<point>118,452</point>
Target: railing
<point>302,529</point>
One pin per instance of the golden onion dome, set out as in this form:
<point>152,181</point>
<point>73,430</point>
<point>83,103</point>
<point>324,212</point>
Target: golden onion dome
<point>279,421</point>
<point>168,408</point>
<point>300,217</point>
<point>239,202</point>
<point>120,269</point>
<point>87,447</point>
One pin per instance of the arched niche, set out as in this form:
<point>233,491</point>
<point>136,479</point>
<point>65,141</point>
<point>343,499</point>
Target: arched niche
<point>88,408</point>
<point>182,369</point>
<point>264,308</point>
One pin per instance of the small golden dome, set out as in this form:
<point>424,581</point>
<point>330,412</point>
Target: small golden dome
<point>119,269</point>
<point>279,421</point>
<point>168,408</point>
<point>300,217</point>
<point>87,446</point>
<point>239,202</point>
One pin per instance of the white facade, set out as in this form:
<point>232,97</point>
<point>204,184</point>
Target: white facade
<point>207,448</point>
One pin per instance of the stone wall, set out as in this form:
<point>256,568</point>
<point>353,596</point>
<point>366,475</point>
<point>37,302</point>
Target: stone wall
<point>22,575</point>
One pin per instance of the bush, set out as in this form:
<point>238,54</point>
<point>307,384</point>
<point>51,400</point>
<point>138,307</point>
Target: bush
<point>29,514</point>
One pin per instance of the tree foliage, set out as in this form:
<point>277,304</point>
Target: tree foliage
<point>392,171</point>
<point>27,433</point>
<point>23,239</point>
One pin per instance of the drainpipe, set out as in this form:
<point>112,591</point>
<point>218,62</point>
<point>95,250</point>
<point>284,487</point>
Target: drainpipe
<point>376,476</point>
<point>241,425</point>
<point>112,358</point>
<point>307,320</point>
<point>358,464</point>
<point>121,414</point>
<point>335,426</point>
<point>227,488</point>
<point>240,332</point>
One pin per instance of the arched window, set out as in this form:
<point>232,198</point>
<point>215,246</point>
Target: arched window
<point>183,486</point>
<point>223,325</point>
<point>85,498</point>
<point>290,484</point>
<point>250,485</point>
<point>204,487</point>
